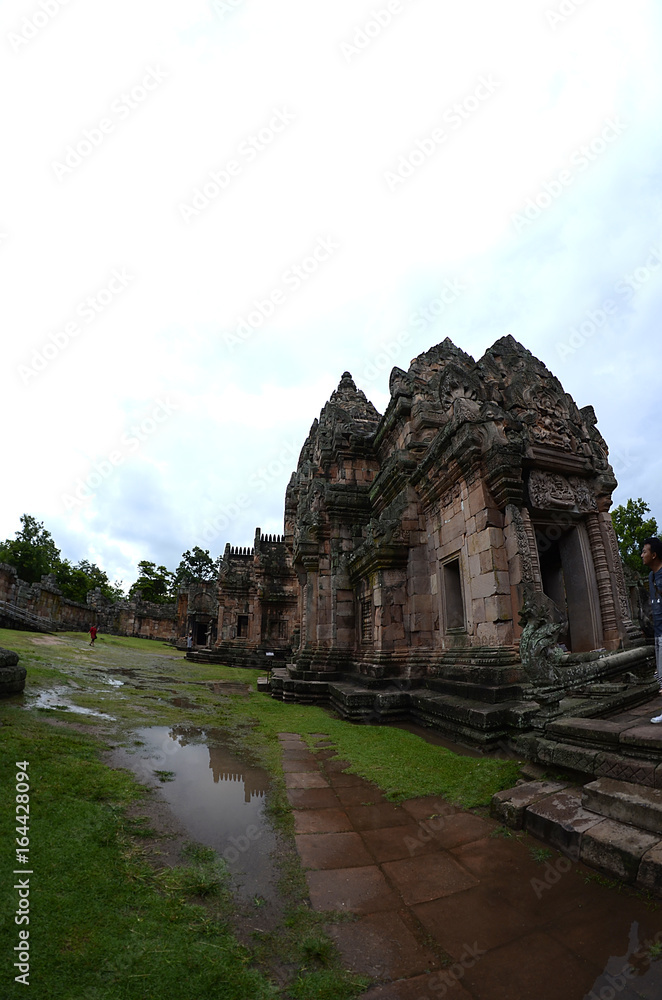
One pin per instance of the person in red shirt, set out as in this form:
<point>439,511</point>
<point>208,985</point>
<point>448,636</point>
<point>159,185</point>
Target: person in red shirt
<point>93,632</point>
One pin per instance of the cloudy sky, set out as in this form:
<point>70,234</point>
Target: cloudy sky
<point>213,208</point>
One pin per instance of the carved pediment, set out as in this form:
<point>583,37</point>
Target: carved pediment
<point>459,384</point>
<point>552,491</point>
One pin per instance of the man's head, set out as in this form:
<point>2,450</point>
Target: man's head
<point>651,553</point>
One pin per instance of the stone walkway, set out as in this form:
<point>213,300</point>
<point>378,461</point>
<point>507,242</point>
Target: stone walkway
<point>441,907</point>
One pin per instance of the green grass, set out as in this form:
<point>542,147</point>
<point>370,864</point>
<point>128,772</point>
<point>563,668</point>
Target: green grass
<point>154,646</point>
<point>402,764</point>
<point>111,923</point>
<point>104,923</point>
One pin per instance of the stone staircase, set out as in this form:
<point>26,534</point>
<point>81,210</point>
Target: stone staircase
<point>482,711</point>
<point>482,697</point>
<point>612,826</point>
<point>11,616</point>
<point>623,745</point>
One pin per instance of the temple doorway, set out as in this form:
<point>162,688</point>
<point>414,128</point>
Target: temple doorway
<point>568,578</point>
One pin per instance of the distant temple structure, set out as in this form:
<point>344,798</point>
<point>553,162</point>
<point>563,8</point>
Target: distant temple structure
<point>452,560</point>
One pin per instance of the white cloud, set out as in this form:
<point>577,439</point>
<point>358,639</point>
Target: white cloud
<point>165,336</point>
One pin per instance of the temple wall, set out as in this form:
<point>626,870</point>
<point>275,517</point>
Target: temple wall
<point>140,618</point>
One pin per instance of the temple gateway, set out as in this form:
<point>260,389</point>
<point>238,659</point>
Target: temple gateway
<point>451,561</point>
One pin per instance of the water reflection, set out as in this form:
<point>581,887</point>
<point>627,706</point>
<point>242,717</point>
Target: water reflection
<point>632,976</point>
<point>216,796</point>
<point>57,698</point>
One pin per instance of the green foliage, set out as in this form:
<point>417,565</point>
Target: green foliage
<point>196,565</point>
<point>33,552</point>
<point>107,924</point>
<point>156,583</point>
<point>631,528</point>
<point>540,853</point>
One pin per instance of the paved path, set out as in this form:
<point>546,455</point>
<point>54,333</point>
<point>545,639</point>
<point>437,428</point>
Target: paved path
<point>442,908</point>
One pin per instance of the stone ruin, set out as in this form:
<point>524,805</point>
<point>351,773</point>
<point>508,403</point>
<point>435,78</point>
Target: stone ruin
<point>452,561</point>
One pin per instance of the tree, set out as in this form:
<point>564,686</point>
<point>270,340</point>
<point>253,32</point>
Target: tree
<point>196,565</point>
<point>76,581</point>
<point>631,528</point>
<point>72,581</point>
<point>155,582</point>
<point>33,552</point>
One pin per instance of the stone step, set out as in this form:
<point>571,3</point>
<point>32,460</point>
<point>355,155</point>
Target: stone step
<point>560,820</point>
<point>624,802</point>
<point>619,850</point>
<point>490,693</point>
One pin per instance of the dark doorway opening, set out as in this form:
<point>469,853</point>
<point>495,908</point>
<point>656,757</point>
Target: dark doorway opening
<point>568,577</point>
<point>453,600</point>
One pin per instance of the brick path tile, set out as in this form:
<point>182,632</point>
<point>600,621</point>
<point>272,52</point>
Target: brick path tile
<point>305,779</point>
<point>312,798</point>
<point>373,817</point>
<point>354,890</point>
<point>321,821</point>
<point>428,877</point>
<point>382,946</point>
<point>332,850</point>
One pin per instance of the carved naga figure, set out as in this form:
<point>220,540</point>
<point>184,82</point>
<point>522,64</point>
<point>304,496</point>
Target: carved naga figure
<point>540,652</point>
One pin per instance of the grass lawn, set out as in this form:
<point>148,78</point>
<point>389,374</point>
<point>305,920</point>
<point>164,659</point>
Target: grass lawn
<point>107,919</point>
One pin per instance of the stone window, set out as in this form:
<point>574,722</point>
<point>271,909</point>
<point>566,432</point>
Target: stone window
<point>282,629</point>
<point>242,626</point>
<point>366,620</point>
<point>453,599</point>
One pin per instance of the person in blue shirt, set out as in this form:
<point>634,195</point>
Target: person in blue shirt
<point>651,556</point>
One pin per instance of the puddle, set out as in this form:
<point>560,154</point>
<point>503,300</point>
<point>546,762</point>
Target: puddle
<point>215,796</point>
<point>57,698</point>
<point>634,975</point>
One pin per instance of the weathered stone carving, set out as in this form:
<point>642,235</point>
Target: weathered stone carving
<point>584,496</point>
<point>540,651</point>
<point>549,491</point>
<point>12,677</point>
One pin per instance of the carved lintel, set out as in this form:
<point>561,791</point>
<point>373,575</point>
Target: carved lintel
<point>552,491</point>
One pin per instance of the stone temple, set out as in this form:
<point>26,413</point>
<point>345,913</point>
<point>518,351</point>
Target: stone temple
<point>451,561</point>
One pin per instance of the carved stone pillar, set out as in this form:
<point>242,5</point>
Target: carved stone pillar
<point>603,578</point>
<point>627,628</point>
<point>530,561</point>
